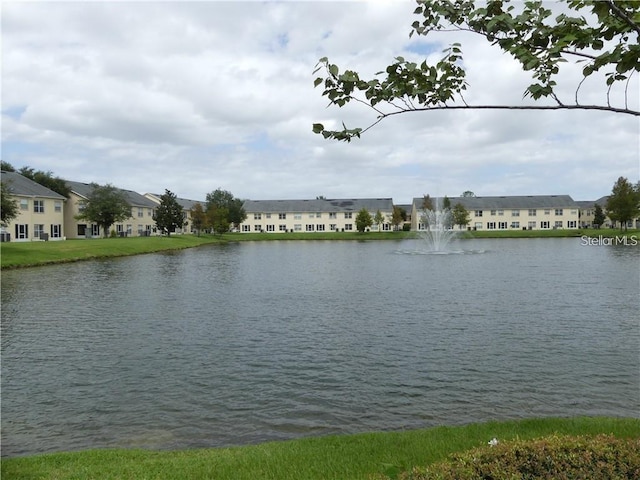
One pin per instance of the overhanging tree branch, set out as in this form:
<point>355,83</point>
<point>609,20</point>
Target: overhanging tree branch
<point>531,34</point>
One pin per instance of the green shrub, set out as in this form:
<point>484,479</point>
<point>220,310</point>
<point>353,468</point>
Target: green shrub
<point>554,457</point>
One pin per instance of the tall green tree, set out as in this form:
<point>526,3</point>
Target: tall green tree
<point>598,216</point>
<point>46,179</point>
<point>460,215</point>
<point>169,215</point>
<point>398,216</point>
<point>446,203</point>
<point>198,218</point>
<point>623,205</point>
<point>363,220</point>
<point>427,203</point>
<point>224,199</point>
<point>8,205</point>
<point>378,219</point>
<point>105,205</point>
<point>6,166</point>
<point>540,36</point>
<point>467,194</point>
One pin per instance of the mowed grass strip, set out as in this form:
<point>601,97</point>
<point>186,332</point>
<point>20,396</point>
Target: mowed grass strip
<point>25,254</point>
<point>361,456</point>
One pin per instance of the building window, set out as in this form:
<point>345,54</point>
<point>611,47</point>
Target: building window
<point>282,228</point>
<point>95,230</point>
<point>297,216</point>
<point>531,225</point>
<point>267,215</point>
<point>348,227</point>
<point>333,215</point>
<point>129,229</point>
<point>493,212</point>
<point>56,231</point>
<point>246,228</point>
<point>297,227</point>
<point>502,225</point>
<point>347,215</point>
<point>282,216</point>
<point>572,224</point>
<point>271,228</point>
<point>532,212</point>
<point>309,227</point>
<point>140,229</point>
<point>257,216</point>
<point>320,227</point>
<point>544,224</point>
<point>38,206</point>
<point>38,230</point>
<point>333,227</point>
<point>515,224</point>
<point>558,212</point>
<point>491,225</point>
<point>150,212</point>
<point>24,204</point>
<point>558,224</point>
<point>318,215</point>
<point>119,228</point>
<point>478,213</point>
<point>500,213</point>
<point>477,225</point>
<point>140,212</point>
<point>257,228</point>
<point>57,206</point>
<point>22,232</point>
<point>547,211</point>
<point>515,213</point>
<point>574,212</point>
<point>386,227</point>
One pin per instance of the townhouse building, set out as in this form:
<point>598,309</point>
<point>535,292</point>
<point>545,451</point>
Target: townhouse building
<point>40,210</point>
<point>319,215</point>
<point>140,223</point>
<point>187,206</point>
<point>524,212</point>
<point>588,209</point>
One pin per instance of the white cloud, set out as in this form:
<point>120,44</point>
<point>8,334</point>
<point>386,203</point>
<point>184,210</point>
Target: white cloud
<point>199,95</point>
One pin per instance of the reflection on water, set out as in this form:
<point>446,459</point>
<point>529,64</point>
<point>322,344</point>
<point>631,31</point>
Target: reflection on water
<point>243,343</point>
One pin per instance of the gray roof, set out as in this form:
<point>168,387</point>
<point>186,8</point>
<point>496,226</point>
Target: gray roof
<point>591,203</point>
<point>185,203</point>
<point>20,185</point>
<point>511,202</point>
<point>318,205</point>
<point>133,198</point>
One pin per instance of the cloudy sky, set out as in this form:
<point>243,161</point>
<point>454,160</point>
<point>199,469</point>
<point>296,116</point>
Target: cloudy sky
<point>194,96</point>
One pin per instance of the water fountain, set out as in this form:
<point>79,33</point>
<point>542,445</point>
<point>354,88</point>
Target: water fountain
<point>438,223</point>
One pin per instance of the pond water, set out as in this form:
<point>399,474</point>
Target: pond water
<point>243,343</point>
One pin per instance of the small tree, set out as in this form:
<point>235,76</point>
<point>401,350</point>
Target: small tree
<point>446,203</point>
<point>398,216</point>
<point>198,217</point>
<point>468,194</point>
<point>460,215</point>
<point>623,205</point>
<point>8,205</point>
<point>219,219</point>
<point>378,219</point>
<point>363,220</point>
<point>598,216</point>
<point>169,214</point>
<point>427,203</point>
<point>105,206</point>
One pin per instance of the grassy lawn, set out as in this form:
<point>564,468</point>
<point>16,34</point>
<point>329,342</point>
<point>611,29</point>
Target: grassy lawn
<point>334,457</point>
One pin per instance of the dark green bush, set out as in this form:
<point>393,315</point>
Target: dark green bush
<point>555,457</point>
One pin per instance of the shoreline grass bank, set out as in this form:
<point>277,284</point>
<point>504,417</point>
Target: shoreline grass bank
<point>346,457</point>
<point>30,254</point>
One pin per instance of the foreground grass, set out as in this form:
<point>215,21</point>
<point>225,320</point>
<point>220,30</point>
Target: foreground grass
<point>362,456</point>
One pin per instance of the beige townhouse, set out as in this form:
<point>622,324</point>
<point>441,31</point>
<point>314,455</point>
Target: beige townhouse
<point>520,212</point>
<point>40,211</point>
<point>319,215</point>
<point>187,206</point>
<point>140,223</point>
